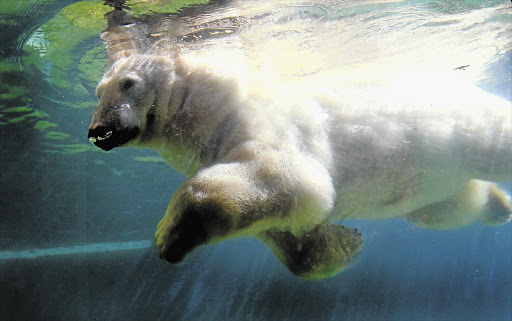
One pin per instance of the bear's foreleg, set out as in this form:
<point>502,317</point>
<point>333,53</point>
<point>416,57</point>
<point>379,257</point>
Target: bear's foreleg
<point>221,201</point>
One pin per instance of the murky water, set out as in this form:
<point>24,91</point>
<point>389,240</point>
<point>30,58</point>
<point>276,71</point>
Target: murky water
<point>77,224</point>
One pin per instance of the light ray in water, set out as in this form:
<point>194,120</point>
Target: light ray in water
<point>76,249</point>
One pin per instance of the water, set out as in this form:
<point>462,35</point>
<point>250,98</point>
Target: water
<point>77,224</point>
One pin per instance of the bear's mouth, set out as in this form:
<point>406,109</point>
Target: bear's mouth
<point>108,139</point>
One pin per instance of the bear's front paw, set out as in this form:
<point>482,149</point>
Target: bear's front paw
<point>216,203</point>
<point>188,223</point>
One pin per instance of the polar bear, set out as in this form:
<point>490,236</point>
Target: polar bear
<point>283,161</point>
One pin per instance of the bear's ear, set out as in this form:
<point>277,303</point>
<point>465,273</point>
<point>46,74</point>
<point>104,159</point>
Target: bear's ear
<point>122,35</point>
<point>127,34</point>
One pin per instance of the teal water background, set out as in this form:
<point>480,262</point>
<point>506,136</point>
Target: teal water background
<point>76,224</point>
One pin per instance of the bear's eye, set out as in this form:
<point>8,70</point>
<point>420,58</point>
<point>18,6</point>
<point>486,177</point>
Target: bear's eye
<point>127,84</point>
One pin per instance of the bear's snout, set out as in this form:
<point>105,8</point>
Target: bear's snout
<point>114,127</point>
<point>108,137</point>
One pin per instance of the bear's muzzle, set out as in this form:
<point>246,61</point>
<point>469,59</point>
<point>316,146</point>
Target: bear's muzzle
<point>107,138</point>
<point>113,128</point>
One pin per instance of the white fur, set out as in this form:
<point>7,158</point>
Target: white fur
<point>271,148</point>
<point>375,150</point>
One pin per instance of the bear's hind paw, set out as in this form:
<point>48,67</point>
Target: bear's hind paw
<point>322,252</point>
<point>498,208</point>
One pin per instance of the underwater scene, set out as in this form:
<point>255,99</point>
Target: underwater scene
<point>78,223</point>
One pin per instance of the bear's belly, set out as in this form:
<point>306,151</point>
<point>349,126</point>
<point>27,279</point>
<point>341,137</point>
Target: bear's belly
<point>391,195</point>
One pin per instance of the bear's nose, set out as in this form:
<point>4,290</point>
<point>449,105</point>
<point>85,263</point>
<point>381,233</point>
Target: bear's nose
<point>108,137</point>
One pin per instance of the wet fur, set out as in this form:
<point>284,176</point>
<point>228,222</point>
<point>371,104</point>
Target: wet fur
<point>280,161</point>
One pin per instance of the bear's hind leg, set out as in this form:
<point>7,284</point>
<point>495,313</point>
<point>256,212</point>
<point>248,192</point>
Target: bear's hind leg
<point>478,200</point>
<point>498,207</point>
<point>322,252</point>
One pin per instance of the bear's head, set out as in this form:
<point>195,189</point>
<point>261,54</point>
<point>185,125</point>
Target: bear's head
<point>128,95</point>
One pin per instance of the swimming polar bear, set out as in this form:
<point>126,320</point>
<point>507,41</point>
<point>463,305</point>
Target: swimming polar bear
<point>283,161</point>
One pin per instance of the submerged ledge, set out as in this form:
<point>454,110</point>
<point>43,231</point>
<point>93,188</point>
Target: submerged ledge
<point>76,249</point>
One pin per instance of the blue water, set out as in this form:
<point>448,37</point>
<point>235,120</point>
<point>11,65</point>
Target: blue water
<point>77,224</point>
